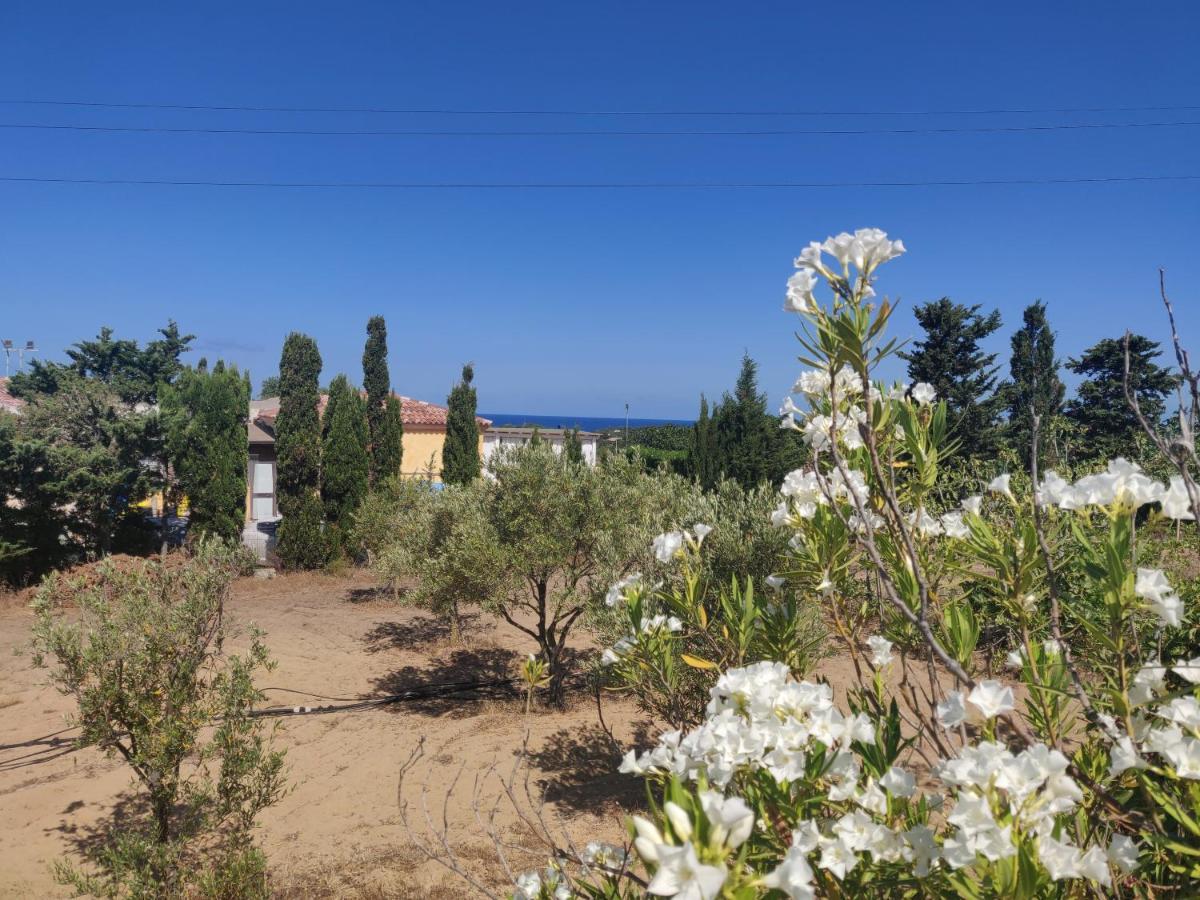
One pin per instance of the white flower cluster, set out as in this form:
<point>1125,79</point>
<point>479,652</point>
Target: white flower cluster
<point>670,544</point>
<point>1178,741</point>
<point>758,719</point>
<point>1122,482</point>
<point>617,590</point>
<point>804,490</point>
<point>536,884</point>
<point>865,250</point>
<point>679,871</point>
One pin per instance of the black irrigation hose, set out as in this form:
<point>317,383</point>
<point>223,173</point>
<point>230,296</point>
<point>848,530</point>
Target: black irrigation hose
<point>52,746</point>
<point>424,692</point>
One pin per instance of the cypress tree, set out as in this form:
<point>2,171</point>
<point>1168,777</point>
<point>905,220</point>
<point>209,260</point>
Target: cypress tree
<point>345,461</point>
<point>1034,386</point>
<point>384,434</point>
<point>964,376</point>
<point>205,414</point>
<point>573,446</point>
<point>302,543</point>
<point>389,447</point>
<point>703,462</point>
<point>460,456</point>
<point>1100,408</point>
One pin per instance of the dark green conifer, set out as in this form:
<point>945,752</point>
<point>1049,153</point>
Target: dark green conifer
<point>301,540</point>
<point>460,455</point>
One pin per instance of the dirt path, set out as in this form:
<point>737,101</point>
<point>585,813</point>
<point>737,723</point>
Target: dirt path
<point>339,832</point>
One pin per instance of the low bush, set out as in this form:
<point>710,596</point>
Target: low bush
<point>142,654</point>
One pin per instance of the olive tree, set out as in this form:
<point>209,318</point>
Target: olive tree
<point>139,647</point>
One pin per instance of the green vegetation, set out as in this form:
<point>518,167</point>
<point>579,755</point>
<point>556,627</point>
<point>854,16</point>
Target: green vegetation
<point>204,416</point>
<point>460,454</point>
<point>384,425</point>
<point>302,542</point>
<point>949,358</point>
<point>741,440</point>
<point>1108,423</point>
<point>139,648</point>
<point>345,458</point>
<point>1034,387</point>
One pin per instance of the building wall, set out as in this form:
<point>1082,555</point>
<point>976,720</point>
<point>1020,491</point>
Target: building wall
<point>493,442</point>
<point>420,445</point>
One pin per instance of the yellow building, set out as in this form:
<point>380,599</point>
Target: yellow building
<point>424,438</point>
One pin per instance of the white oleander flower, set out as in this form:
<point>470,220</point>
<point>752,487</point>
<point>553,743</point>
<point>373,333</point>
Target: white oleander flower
<point>1189,671</point>
<point>616,593</point>
<point>680,874</point>
<point>1000,485</point>
<point>793,876</point>
<point>1123,853</point>
<point>1124,756</point>
<point>701,531</point>
<point>668,545</point>
<point>923,393</point>
<point>731,819</point>
<point>775,582</point>
<point>898,782</point>
<point>810,258</point>
<point>954,527</point>
<point>951,712</point>
<point>1176,504</point>
<point>800,288</point>
<point>991,698</point>
<point>973,504</point>
<point>881,650</point>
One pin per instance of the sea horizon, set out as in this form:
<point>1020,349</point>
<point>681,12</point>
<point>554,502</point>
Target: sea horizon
<point>585,423</point>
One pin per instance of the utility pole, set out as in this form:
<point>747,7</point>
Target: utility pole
<point>626,424</point>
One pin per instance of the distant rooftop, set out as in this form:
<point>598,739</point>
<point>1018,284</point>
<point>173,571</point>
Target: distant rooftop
<point>8,402</point>
<point>413,413</point>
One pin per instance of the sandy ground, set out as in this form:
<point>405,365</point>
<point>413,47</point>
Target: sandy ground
<point>339,832</point>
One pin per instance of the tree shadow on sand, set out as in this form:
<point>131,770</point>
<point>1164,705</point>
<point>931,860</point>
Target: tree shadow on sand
<point>417,632</point>
<point>451,683</point>
<point>88,840</point>
<point>579,769</point>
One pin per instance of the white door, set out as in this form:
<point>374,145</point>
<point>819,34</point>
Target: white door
<point>262,487</point>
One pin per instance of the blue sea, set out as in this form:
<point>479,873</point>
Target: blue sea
<point>585,423</point>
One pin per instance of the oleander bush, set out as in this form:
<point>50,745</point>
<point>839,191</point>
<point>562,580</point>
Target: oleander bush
<point>1073,771</point>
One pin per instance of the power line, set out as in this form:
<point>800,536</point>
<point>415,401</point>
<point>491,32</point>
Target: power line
<point>989,129</point>
<point>596,185</point>
<point>458,111</point>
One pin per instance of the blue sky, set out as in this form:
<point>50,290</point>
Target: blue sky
<point>576,301</point>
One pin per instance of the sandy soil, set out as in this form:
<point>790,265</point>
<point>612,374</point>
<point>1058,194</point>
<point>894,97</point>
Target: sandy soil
<point>339,832</point>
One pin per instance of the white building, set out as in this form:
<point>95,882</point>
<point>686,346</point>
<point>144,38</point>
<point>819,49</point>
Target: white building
<point>495,438</point>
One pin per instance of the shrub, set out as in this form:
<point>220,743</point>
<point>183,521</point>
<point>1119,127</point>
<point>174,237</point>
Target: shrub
<point>143,659</point>
<point>1076,779</point>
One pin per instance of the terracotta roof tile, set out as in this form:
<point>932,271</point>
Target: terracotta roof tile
<point>8,402</point>
<point>412,412</point>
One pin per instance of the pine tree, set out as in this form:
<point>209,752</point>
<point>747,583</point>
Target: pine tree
<point>573,446</point>
<point>1035,386</point>
<point>205,414</point>
<point>460,456</point>
<point>385,436</point>
<point>345,460</point>
<point>964,376</point>
<point>743,430</point>
<point>302,544</point>
<point>389,445</point>
<point>702,454</point>
<point>269,387</point>
<point>1109,425</point>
